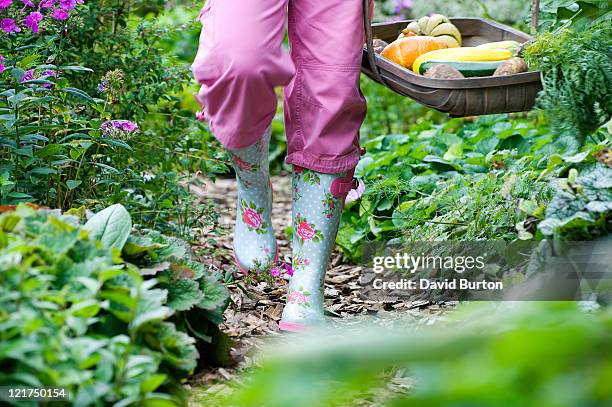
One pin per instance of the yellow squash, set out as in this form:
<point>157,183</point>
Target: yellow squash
<point>471,54</point>
<point>510,45</point>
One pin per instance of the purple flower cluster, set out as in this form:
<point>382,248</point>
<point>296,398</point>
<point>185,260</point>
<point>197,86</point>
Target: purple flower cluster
<point>401,5</point>
<point>104,87</point>
<point>119,128</point>
<point>30,74</point>
<point>27,75</point>
<point>2,67</point>
<point>55,9</point>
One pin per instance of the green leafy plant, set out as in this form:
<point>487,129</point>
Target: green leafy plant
<point>582,13</point>
<point>123,299</point>
<point>581,207</point>
<point>74,314</point>
<point>484,179</point>
<point>575,66</point>
<point>111,226</point>
<point>76,129</point>
<point>448,181</point>
<point>195,295</point>
<point>485,355</point>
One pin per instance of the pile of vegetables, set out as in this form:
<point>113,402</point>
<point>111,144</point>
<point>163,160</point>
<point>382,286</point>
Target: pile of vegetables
<point>468,61</point>
<point>437,26</point>
<point>432,46</point>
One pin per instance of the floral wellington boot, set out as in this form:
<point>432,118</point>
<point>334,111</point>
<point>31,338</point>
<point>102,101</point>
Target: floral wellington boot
<point>318,200</point>
<point>254,242</point>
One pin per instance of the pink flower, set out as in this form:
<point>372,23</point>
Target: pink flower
<point>305,231</point>
<point>298,297</point>
<point>8,25</point>
<point>31,21</point>
<point>5,3</point>
<point>243,165</point>
<point>252,218</point>
<point>27,75</point>
<point>355,194</point>
<point>119,128</point>
<point>127,125</point>
<point>67,4</point>
<point>275,272</point>
<point>46,3</point>
<point>49,74</point>
<point>1,64</point>
<point>289,270</point>
<point>200,115</point>
<point>60,14</point>
<point>36,16</point>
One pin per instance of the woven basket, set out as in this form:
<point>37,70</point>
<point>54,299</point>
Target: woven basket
<point>457,97</point>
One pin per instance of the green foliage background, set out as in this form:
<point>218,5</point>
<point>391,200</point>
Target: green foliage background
<point>124,317</point>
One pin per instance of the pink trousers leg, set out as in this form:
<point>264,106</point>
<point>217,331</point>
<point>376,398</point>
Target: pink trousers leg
<point>241,60</point>
<point>324,107</point>
<point>239,63</point>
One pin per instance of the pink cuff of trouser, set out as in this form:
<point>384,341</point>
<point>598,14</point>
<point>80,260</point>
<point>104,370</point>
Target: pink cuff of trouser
<point>325,166</point>
<point>234,141</point>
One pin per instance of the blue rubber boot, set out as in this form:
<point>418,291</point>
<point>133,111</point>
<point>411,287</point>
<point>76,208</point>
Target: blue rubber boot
<point>254,242</point>
<point>318,200</point>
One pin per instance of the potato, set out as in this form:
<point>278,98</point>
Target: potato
<point>511,66</point>
<point>379,45</point>
<point>443,71</point>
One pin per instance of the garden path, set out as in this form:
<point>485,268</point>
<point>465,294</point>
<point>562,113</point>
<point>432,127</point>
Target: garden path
<point>257,305</point>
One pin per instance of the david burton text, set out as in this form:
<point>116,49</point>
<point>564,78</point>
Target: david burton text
<point>433,284</point>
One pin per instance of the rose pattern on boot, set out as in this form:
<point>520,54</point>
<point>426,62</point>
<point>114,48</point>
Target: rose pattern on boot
<point>329,204</point>
<point>252,217</point>
<point>316,215</point>
<point>254,241</point>
<point>243,165</point>
<point>300,262</point>
<point>306,231</point>
<point>299,297</point>
<point>311,177</point>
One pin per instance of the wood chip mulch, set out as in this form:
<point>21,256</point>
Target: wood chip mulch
<point>256,306</point>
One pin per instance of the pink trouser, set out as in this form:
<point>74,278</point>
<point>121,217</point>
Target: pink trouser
<point>241,60</point>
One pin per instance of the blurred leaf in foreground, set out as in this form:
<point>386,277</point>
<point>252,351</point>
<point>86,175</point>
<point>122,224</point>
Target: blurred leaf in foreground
<point>510,354</point>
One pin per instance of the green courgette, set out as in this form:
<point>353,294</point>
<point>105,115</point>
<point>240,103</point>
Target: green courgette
<point>468,69</point>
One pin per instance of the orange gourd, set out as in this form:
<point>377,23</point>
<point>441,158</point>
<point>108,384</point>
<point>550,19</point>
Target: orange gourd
<point>404,51</point>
